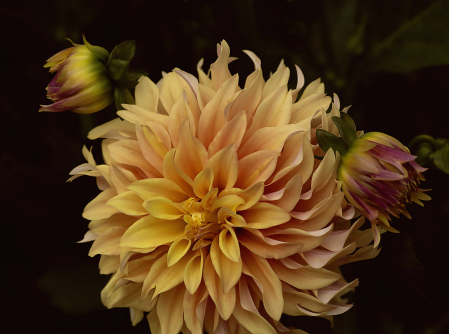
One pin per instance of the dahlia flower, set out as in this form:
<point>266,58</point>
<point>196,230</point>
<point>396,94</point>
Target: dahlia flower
<point>214,213</point>
<point>81,83</point>
<point>379,177</point>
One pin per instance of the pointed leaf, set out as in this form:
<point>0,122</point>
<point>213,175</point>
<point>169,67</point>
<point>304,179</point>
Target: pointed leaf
<point>347,133</point>
<point>327,140</point>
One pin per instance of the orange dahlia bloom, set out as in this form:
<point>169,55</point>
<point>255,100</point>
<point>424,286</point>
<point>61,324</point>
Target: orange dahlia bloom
<point>214,213</point>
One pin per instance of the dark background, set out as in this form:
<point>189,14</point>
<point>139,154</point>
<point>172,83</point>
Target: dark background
<point>388,59</point>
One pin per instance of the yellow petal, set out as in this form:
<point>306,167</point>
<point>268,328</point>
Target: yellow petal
<point>231,133</point>
<point>307,107</point>
<point>174,174</point>
<point>170,90</point>
<point>147,94</point>
<point>154,143</point>
<point>194,309</point>
<point>256,167</point>
<point>97,208</point>
<point>149,188</point>
<point>136,114</point>
<point>229,201</point>
<point>177,250</point>
<point>152,232</point>
<point>162,208</point>
<point>224,302</point>
<point>170,310</point>
<point>220,72</point>
<point>229,244</point>
<point>108,242</point>
<point>179,113</point>
<point>228,271</point>
<point>121,177</point>
<point>253,322</point>
<point>128,203</point>
<point>113,129</point>
<point>203,182</point>
<point>194,271</point>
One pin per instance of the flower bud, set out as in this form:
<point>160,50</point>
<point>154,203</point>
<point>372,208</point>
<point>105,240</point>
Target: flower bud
<point>81,83</point>
<point>379,176</point>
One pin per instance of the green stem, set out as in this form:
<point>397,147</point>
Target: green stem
<point>422,139</point>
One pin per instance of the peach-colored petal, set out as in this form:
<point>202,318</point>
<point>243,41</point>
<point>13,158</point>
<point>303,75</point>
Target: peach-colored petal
<point>154,143</point>
<point>278,79</point>
<point>191,156</point>
<point>172,173</point>
<point>108,242</point>
<point>307,107</point>
<point>179,113</point>
<point>305,278</point>
<point>258,268</point>
<point>219,71</point>
<point>152,232</point>
<point>212,119</point>
<point>256,167</point>
<point>231,132</point>
<point>121,178</point>
<point>225,166</point>
<point>253,322</point>
<point>264,215</point>
<point>116,129</point>
<point>170,90</point>
<point>150,188</point>
<point>98,207</point>
<point>228,270</point>
<point>224,302</point>
<point>203,182</point>
<point>136,114</point>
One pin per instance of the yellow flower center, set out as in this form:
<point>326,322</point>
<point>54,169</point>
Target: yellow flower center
<point>200,223</point>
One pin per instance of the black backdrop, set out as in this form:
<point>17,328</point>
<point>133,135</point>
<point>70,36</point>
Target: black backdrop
<point>50,282</point>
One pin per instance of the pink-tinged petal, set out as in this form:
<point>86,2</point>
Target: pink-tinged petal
<point>337,239</point>
<point>310,303</point>
<point>231,133</point>
<point>163,208</point>
<point>193,272</point>
<point>108,242</point>
<point>136,114</point>
<point>212,118</point>
<point>128,152</point>
<point>368,210</point>
<point>224,302</point>
<point>336,289</point>
<point>318,258</point>
<point>305,278</point>
<point>174,174</point>
<point>324,171</point>
<point>152,232</point>
<point>248,99</point>
<point>147,94</point>
<point>258,268</point>
<point>277,80</point>
<point>191,157</point>
<point>225,166</point>
<point>228,270</point>
<point>264,215</point>
<point>291,194</point>
<point>256,167</point>
<point>386,175</point>
<point>171,321</point>
<point>98,208</point>
<point>266,247</point>
<point>150,188</point>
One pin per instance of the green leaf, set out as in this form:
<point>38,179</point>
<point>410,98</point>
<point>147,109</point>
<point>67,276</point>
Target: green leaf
<point>117,67</point>
<point>130,78</point>
<point>423,152</point>
<point>126,50</point>
<point>122,95</point>
<point>441,160</point>
<point>420,42</point>
<point>347,133</point>
<point>348,120</point>
<point>98,51</point>
<point>327,140</point>
<point>112,55</point>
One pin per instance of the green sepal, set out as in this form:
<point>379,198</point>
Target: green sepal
<point>347,133</point>
<point>112,55</point>
<point>131,78</point>
<point>117,67</point>
<point>441,159</point>
<point>98,51</point>
<point>121,96</point>
<point>125,50</point>
<point>348,120</point>
<point>423,152</point>
<point>326,140</point>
